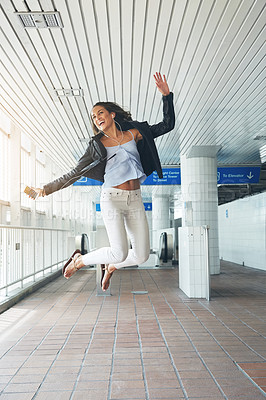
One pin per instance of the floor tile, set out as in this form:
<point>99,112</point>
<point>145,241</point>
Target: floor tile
<point>71,343</point>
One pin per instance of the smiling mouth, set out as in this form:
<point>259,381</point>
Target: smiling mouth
<point>101,123</point>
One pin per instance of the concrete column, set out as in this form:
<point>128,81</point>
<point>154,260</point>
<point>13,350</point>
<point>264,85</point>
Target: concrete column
<point>15,176</point>
<point>200,207</point>
<point>160,212</point>
<point>160,217</point>
<point>150,223</point>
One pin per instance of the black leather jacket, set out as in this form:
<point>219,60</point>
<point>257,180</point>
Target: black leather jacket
<point>92,163</point>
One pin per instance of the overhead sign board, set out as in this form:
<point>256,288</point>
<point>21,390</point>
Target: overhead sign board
<point>238,175</point>
<point>87,182</point>
<point>172,176</point>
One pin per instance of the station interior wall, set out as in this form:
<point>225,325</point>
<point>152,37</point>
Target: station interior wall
<point>242,231</point>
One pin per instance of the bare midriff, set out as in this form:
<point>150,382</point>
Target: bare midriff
<point>132,184</point>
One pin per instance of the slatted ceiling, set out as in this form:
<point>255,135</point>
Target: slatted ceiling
<point>42,41</point>
<point>126,9</point>
<point>211,52</point>
<point>202,77</point>
<point>77,63</point>
<point>151,19</point>
<point>192,114</point>
<point>187,18</point>
<point>63,75</point>
<point>153,53</point>
<point>18,100</point>
<point>114,23</point>
<point>172,22</point>
<point>16,93</point>
<point>35,36</point>
<point>140,9</point>
<point>21,67</point>
<point>78,37</point>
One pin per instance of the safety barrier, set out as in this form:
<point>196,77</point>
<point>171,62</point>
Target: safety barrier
<point>207,258</point>
<point>28,254</point>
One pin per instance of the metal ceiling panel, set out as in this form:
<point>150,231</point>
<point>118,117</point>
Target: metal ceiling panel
<point>212,52</point>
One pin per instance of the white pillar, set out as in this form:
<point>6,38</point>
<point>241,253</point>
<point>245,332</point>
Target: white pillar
<point>160,212</point>
<point>150,223</point>
<point>160,217</point>
<point>200,207</point>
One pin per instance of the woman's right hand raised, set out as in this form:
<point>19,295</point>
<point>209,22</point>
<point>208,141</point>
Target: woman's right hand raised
<point>161,84</point>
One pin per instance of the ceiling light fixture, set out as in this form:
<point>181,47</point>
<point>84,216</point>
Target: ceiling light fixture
<point>40,20</point>
<point>69,92</point>
<point>263,154</point>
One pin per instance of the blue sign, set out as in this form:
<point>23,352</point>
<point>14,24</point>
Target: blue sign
<point>171,176</point>
<point>147,206</point>
<point>238,175</point>
<point>87,182</point>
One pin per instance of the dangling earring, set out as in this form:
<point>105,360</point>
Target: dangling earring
<point>119,126</point>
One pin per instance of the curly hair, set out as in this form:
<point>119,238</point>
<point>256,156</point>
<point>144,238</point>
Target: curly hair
<point>120,114</point>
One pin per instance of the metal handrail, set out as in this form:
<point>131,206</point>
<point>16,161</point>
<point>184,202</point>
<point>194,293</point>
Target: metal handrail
<point>28,253</point>
<point>32,228</point>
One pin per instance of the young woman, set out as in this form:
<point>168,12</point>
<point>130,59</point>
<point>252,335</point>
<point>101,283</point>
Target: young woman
<point>121,154</point>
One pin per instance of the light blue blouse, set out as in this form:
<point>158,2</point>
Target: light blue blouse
<point>123,164</point>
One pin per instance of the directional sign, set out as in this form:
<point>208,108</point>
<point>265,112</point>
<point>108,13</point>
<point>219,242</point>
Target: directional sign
<point>172,176</point>
<point>87,182</point>
<point>238,175</point>
<point>148,206</point>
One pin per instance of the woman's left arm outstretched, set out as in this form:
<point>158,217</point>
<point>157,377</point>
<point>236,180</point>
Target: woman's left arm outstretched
<point>161,84</point>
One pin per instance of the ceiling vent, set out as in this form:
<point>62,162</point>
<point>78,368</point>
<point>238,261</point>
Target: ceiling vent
<point>260,137</point>
<point>40,20</point>
<point>69,92</point>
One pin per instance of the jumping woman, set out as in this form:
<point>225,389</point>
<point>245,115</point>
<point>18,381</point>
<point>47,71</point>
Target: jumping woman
<point>121,154</point>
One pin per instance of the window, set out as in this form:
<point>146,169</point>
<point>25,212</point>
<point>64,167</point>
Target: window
<point>40,181</point>
<point>5,123</point>
<point>66,196</point>
<point>4,167</point>
<point>26,177</point>
<point>57,199</point>
<point>5,127</point>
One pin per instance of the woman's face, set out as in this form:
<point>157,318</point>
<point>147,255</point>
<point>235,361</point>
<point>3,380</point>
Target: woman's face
<point>102,118</point>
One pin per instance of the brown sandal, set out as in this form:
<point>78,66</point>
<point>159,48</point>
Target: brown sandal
<point>106,272</point>
<point>69,260</point>
<point>73,268</point>
<point>103,271</point>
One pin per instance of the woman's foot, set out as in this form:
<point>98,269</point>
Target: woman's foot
<point>74,266</point>
<point>109,270</point>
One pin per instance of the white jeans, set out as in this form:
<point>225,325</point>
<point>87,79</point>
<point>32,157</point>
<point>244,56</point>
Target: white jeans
<point>123,214</point>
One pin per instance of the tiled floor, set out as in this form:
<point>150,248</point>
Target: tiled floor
<point>63,342</point>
